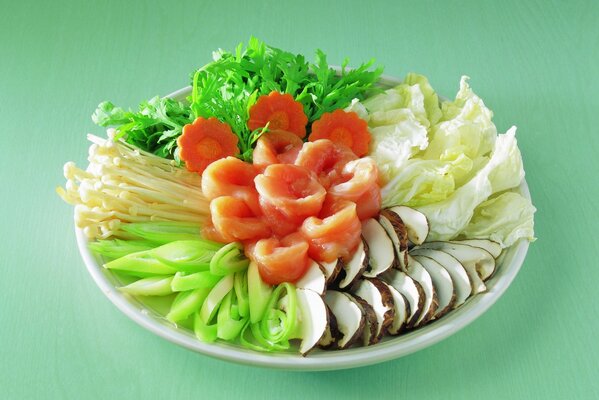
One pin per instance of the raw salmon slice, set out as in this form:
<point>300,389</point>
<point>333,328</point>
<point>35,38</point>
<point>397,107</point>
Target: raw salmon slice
<point>357,177</point>
<point>288,194</point>
<point>368,205</point>
<point>234,220</point>
<point>326,159</point>
<point>226,176</point>
<point>284,260</point>
<point>335,233</point>
<point>277,147</point>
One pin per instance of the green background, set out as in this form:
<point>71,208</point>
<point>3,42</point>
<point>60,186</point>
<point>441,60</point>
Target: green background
<point>535,63</point>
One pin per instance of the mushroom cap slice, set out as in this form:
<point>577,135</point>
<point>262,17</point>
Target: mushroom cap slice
<point>442,283</point>
<point>377,294</point>
<point>370,321</point>
<point>459,276</point>
<point>491,246</point>
<point>410,290</point>
<point>471,257</point>
<point>314,279</point>
<point>331,270</point>
<point>381,255</point>
<point>313,319</point>
<point>331,333</point>
<point>417,272</point>
<point>416,223</point>
<point>349,316</point>
<point>353,268</point>
<point>400,311</point>
<point>398,234</point>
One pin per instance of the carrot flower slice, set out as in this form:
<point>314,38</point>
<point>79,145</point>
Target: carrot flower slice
<point>344,128</point>
<point>281,111</point>
<point>205,141</point>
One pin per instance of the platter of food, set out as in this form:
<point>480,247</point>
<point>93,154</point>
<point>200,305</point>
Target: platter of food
<point>294,215</point>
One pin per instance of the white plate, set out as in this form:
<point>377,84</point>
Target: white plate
<point>389,348</point>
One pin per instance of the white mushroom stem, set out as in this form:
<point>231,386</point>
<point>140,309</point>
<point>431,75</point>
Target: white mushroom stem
<point>125,184</point>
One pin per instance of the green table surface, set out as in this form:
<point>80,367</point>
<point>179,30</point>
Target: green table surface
<point>535,63</point>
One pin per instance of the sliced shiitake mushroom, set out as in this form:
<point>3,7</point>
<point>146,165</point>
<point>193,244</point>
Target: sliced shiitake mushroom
<point>410,290</point>
<point>313,319</point>
<point>459,276</point>
<point>471,257</point>
<point>353,268</point>
<point>349,316</point>
<point>400,311</point>
<point>396,230</point>
<point>331,270</point>
<point>417,272</point>
<point>314,279</point>
<point>381,255</point>
<point>416,223</point>
<point>369,333</point>
<point>379,297</point>
<point>441,282</point>
<point>491,246</point>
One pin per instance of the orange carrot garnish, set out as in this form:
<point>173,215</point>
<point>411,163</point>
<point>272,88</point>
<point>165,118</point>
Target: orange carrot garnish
<point>205,141</point>
<point>280,111</point>
<point>344,128</point>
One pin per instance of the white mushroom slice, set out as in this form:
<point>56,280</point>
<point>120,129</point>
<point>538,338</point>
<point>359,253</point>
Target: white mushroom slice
<point>400,311</point>
<point>312,319</point>
<point>353,268</point>
<point>492,247</point>
<point>381,255</point>
<point>331,270</point>
<point>459,276</point>
<point>331,333</point>
<point>421,275</point>
<point>314,279</point>
<point>349,315</point>
<point>442,283</point>
<point>470,257</point>
<point>416,223</point>
<point>410,290</point>
<point>377,294</point>
<point>398,234</point>
<point>370,321</point>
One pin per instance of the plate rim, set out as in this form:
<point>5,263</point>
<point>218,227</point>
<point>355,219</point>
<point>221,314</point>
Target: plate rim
<point>391,348</point>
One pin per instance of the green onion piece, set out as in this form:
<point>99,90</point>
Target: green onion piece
<point>163,232</point>
<point>202,279</point>
<point>228,322</point>
<point>216,295</point>
<point>259,342</point>
<point>240,285</point>
<point>203,331</point>
<point>186,255</point>
<point>186,303</point>
<point>229,259</point>
<point>118,248</point>
<point>258,293</point>
<point>153,286</point>
<point>140,264</point>
<point>279,324</point>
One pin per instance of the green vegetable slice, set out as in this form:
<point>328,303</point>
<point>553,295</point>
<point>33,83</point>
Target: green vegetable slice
<point>118,248</point>
<point>153,286</point>
<point>258,293</point>
<point>186,255</point>
<point>141,264</point>
<point>229,259</point>
<point>186,303</point>
<point>163,232</point>
<point>203,331</point>
<point>203,279</point>
<point>229,322</point>
<point>280,319</point>
<point>240,285</point>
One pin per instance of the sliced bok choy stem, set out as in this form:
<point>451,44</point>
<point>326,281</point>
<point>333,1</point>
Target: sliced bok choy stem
<point>203,279</point>
<point>186,303</point>
<point>229,259</point>
<point>118,248</point>
<point>153,286</point>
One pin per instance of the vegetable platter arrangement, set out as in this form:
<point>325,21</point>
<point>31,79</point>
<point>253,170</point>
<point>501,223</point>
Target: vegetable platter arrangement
<point>284,206</point>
